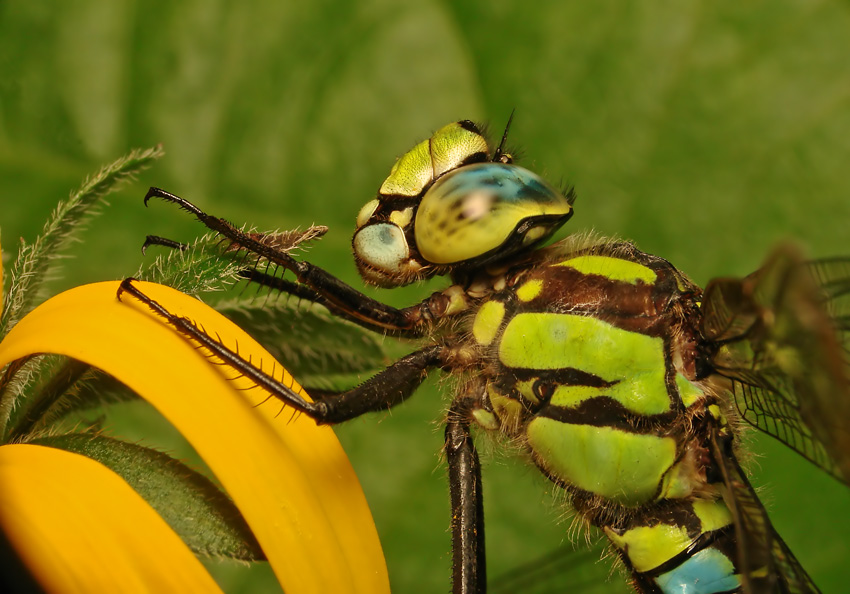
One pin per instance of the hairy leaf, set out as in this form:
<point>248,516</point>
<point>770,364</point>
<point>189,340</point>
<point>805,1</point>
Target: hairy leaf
<point>191,503</point>
<point>38,260</point>
<point>320,350</point>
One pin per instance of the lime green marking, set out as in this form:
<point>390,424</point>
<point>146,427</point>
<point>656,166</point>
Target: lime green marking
<point>487,321</point>
<point>713,515</point>
<point>457,300</point>
<point>681,480</point>
<point>625,467</point>
<point>572,396</point>
<point>485,419</point>
<point>453,143</point>
<point>508,410</point>
<point>688,391</point>
<point>715,411</point>
<point>411,173</point>
<point>526,388</point>
<point>635,362</point>
<point>649,546</point>
<point>612,268</point>
<point>529,290</point>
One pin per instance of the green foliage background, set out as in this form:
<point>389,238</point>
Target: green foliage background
<point>706,132</point>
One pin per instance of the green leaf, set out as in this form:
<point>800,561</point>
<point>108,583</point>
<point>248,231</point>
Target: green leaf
<point>47,383</point>
<point>37,261</point>
<point>320,350</point>
<point>51,387</point>
<point>201,267</point>
<point>193,506</point>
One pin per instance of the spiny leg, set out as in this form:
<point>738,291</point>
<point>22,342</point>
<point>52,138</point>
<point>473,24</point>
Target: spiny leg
<point>305,293</point>
<point>163,241</point>
<point>469,573</point>
<point>283,285</point>
<point>252,275</point>
<point>340,297</point>
<point>381,392</point>
<point>277,283</point>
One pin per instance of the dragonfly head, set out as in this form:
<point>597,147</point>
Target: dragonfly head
<point>450,203</point>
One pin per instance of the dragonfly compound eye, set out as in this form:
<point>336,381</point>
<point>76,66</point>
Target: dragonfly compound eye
<point>486,208</point>
<point>382,254</point>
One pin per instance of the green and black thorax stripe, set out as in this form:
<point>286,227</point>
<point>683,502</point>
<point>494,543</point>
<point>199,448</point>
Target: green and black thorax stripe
<point>592,357</point>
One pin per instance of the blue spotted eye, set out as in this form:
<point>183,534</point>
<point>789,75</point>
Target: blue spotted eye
<point>475,209</point>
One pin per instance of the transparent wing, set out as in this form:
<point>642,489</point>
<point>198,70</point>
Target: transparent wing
<point>561,570</point>
<point>833,277</point>
<point>764,561</point>
<point>781,336</point>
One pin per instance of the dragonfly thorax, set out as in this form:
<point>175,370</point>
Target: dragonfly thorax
<point>591,353</point>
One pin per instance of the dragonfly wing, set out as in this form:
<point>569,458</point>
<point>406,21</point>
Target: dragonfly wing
<point>560,570</point>
<point>765,563</point>
<point>780,336</point>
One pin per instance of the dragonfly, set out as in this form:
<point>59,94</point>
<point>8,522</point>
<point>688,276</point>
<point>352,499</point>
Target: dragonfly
<point>627,385</point>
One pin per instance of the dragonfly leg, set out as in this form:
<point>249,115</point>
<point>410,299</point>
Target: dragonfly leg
<point>391,386</point>
<point>469,574</point>
<point>381,392</point>
<point>338,296</point>
<point>163,241</point>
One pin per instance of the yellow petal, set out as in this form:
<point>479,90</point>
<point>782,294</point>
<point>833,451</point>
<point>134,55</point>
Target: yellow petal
<point>290,478</point>
<point>62,510</point>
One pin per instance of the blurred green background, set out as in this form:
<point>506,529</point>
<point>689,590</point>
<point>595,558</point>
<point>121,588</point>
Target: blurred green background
<point>706,132</point>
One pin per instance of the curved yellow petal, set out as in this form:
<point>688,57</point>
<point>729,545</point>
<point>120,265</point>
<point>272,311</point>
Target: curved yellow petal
<point>63,511</point>
<point>289,477</point>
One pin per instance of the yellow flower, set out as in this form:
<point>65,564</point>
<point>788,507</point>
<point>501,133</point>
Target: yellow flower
<point>79,528</point>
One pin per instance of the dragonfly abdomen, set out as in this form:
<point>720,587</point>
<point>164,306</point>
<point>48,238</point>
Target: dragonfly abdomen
<point>684,547</point>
